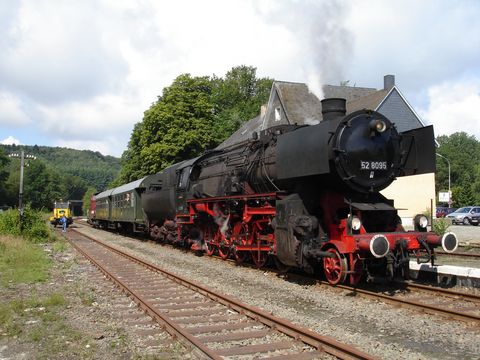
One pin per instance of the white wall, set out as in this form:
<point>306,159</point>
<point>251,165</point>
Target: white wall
<point>412,194</point>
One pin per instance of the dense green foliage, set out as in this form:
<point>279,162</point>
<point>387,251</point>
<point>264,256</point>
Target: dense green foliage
<point>86,199</point>
<point>463,152</point>
<point>237,99</point>
<point>33,227</point>
<point>57,173</point>
<point>3,173</point>
<point>192,115</point>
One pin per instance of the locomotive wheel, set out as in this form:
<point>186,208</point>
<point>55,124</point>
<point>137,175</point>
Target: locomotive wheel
<point>223,245</point>
<point>281,267</point>
<point>335,268</point>
<point>240,235</point>
<point>208,239</point>
<point>224,252</point>
<point>240,256</point>
<point>210,248</point>
<point>259,258</point>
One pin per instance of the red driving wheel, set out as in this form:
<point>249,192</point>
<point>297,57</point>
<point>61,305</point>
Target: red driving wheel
<point>240,237</point>
<point>335,267</point>
<point>223,245</point>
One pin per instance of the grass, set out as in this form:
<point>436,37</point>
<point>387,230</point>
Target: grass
<point>60,245</point>
<point>86,298</point>
<point>14,314</point>
<point>41,321</point>
<point>21,262</point>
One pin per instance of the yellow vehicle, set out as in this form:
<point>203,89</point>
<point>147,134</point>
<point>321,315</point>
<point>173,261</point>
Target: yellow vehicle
<point>61,208</point>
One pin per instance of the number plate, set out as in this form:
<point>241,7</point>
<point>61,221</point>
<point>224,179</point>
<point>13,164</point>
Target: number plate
<point>373,165</point>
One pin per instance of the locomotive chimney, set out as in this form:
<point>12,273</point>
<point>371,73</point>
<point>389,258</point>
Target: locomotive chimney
<point>333,108</point>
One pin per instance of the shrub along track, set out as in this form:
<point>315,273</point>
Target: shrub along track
<point>213,325</point>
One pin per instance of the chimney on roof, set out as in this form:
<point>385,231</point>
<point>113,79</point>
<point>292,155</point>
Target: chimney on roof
<point>388,82</point>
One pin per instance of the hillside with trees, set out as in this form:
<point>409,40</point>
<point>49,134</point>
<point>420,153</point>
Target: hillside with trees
<point>56,173</point>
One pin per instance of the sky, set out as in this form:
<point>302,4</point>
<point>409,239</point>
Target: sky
<point>80,74</point>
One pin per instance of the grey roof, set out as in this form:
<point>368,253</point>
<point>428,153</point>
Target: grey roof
<point>293,103</point>
<point>349,93</point>
<point>301,106</point>
<point>370,101</point>
<point>104,194</point>
<point>243,133</point>
<point>127,187</point>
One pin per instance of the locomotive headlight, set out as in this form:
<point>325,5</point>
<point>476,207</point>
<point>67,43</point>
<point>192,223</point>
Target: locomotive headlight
<point>378,125</point>
<point>355,223</point>
<point>420,223</point>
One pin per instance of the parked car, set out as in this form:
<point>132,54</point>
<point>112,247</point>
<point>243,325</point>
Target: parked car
<point>475,220</point>
<point>443,211</point>
<point>464,215</point>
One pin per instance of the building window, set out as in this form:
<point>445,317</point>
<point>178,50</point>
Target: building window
<point>278,114</point>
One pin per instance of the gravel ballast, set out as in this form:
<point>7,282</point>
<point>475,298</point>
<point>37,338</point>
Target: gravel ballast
<point>372,326</point>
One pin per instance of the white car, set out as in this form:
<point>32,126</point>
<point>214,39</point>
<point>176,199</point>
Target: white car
<point>464,215</point>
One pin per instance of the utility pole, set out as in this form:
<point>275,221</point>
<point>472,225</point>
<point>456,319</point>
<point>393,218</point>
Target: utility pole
<point>449,190</point>
<point>22,165</point>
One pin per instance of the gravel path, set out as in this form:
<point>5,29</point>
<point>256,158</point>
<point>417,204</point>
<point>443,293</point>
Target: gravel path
<point>374,327</point>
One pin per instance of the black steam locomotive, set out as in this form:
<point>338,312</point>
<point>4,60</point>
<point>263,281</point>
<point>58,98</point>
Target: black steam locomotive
<point>307,196</point>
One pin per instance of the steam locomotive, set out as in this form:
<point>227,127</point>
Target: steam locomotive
<point>307,196</point>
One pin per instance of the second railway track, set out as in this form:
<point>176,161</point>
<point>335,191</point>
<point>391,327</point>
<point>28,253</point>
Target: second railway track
<point>447,303</point>
<point>213,325</point>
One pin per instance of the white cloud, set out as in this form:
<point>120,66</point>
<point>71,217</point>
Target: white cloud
<point>453,107</point>
<point>10,141</point>
<point>11,112</point>
<point>56,52</point>
<point>422,42</point>
<point>104,124</point>
<point>86,71</point>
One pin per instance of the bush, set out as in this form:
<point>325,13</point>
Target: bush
<point>440,226</point>
<point>10,223</point>
<point>34,229</point>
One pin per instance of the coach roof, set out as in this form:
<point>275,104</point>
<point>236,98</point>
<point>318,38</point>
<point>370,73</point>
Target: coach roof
<point>128,187</point>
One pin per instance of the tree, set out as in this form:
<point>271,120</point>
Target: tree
<point>75,187</point>
<point>192,115</point>
<point>463,152</point>
<point>86,199</point>
<point>42,186</point>
<point>177,126</point>
<point>4,161</point>
<point>238,98</point>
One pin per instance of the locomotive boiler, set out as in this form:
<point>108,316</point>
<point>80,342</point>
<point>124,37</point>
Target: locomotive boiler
<point>307,195</point>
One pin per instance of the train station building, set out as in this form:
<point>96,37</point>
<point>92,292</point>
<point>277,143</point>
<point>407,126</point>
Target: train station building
<point>294,103</point>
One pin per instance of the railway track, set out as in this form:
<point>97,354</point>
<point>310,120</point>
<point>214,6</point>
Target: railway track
<point>427,299</point>
<point>212,325</point>
<point>459,254</point>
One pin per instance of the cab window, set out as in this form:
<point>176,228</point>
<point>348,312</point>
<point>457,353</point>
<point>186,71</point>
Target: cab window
<point>183,178</point>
